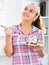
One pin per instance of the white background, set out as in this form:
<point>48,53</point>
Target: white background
<point>10,14</point>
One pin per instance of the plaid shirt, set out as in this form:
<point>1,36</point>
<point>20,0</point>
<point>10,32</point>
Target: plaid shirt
<point>25,54</point>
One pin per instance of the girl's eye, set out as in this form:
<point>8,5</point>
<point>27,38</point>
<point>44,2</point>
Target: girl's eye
<point>25,8</point>
<point>31,11</point>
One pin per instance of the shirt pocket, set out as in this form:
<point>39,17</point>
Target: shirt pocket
<point>33,38</point>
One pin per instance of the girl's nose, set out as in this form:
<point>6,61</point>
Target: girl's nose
<point>27,12</point>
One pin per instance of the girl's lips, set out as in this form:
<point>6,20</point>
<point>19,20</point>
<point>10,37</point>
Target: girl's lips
<point>26,15</point>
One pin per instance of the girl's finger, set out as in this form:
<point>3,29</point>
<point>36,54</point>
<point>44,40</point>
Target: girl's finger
<point>5,29</point>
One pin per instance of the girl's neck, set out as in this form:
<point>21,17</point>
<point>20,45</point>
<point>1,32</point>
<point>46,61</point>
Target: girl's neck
<point>26,27</point>
<point>26,24</point>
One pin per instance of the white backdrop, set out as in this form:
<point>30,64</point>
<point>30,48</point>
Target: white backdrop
<point>10,14</point>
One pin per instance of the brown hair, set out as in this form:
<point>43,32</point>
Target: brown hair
<point>38,23</point>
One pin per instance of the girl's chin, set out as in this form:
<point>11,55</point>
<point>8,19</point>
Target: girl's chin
<point>25,18</point>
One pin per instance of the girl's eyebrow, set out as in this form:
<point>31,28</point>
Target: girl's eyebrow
<point>31,9</point>
<point>25,7</point>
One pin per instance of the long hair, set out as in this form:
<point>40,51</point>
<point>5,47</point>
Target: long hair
<point>39,24</point>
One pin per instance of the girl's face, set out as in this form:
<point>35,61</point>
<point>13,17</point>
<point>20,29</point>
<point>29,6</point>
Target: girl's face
<point>29,13</point>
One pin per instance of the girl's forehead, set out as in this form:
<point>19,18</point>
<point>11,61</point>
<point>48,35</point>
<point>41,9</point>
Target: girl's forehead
<point>32,6</point>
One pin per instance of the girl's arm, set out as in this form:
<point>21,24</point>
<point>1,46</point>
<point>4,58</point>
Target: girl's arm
<point>40,39</point>
<point>8,47</point>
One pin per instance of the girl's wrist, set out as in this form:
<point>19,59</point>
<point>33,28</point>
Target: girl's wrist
<point>8,35</point>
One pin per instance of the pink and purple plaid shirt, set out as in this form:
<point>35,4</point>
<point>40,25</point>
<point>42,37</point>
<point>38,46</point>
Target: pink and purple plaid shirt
<point>25,54</point>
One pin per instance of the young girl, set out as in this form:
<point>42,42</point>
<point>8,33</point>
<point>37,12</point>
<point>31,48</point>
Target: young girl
<point>30,29</point>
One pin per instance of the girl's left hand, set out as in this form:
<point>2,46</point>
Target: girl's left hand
<point>39,50</point>
<point>37,47</point>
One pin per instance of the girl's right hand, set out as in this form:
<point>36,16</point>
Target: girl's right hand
<point>8,31</point>
<point>8,40</point>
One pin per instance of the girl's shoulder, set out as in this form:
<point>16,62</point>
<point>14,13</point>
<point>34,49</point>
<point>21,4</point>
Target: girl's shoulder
<point>36,30</point>
<point>14,28</point>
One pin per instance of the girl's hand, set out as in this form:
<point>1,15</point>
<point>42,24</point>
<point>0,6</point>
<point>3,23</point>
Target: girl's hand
<point>8,40</point>
<point>39,50</point>
<point>37,47</point>
<point>8,31</point>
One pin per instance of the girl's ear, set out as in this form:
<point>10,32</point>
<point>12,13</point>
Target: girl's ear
<point>36,14</point>
<point>35,17</point>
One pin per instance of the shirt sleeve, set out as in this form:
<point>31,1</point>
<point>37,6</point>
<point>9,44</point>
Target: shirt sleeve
<point>40,38</point>
<point>14,29</point>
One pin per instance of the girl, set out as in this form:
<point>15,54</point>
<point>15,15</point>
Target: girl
<point>30,29</point>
